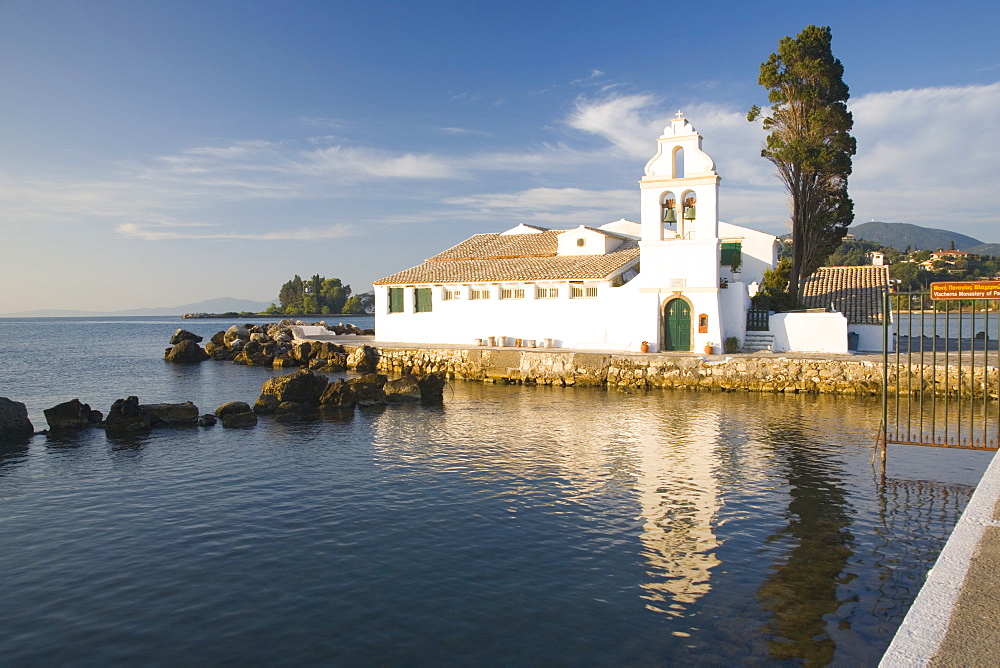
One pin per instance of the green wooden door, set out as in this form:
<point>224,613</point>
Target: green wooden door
<point>677,325</point>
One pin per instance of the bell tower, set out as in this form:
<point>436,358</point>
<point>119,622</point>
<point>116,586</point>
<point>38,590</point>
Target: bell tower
<point>679,192</point>
<point>680,247</point>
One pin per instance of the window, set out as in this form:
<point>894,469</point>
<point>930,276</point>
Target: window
<point>479,293</point>
<point>512,293</point>
<point>395,300</point>
<point>452,294</point>
<point>581,242</point>
<point>731,253</point>
<point>421,300</point>
<point>582,292</point>
<point>546,293</point>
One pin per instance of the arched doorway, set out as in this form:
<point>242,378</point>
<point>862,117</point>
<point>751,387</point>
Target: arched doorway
<point>677,325</point>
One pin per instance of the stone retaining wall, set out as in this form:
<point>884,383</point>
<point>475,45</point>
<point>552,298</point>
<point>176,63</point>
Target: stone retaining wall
<point>644,371</point>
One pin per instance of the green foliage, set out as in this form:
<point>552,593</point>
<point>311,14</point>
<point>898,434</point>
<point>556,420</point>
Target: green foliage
<point>360,304</point>
<point>773,294</point>
<point>810,144</point>
<point>731,345</point>
<point>317,294</point>
<point>272,310</point>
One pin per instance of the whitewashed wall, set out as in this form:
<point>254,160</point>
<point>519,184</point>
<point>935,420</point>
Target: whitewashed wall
<point>809,332</point>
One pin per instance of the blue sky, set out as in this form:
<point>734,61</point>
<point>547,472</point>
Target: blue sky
<point>160,153</point>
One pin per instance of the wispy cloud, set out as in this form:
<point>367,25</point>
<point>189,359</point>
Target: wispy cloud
<point>548,205</point>
<point>925,156</point>
<point>173,232</point>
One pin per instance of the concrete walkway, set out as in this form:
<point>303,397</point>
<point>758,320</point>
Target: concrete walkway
<point>955,620</point>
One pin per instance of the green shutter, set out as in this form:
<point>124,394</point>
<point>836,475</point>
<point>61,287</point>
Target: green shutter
<point>422,300</point>
<point>395,300</point>
<point>730,253</point>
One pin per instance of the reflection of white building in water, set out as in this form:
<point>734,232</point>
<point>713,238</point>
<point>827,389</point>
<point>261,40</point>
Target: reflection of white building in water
<point>679,497</point>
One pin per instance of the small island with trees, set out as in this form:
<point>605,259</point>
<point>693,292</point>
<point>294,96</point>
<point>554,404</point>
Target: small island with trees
<point>313,296</point>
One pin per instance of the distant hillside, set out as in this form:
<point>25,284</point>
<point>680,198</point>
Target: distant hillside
<point>984,249</point>
<point>901,235</point>
<point>219,305</point>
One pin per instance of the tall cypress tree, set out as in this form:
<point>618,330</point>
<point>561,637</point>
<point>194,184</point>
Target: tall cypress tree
<point>810,144</point>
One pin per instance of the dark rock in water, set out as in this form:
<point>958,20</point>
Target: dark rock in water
<point>186,351</point>
<point>237,345</point>
<point>379,379</point>
<point>126,418</point>
<point>220,353</point>
<point>14,422</point>
<point>368,332</point>
<point>284,361</point>
<point>184,335</point>
<point>369,395</point>
<point>338,395</point>
<point>402,389</point>
<point>432,388</point>
<point>303,387</point>
<point>254,354</point>
<point>96,418</point>
<point>239,420</point>
<point>363,359</point>
<point>232,407</point>
<point>171,415</point>
<point>69,416</point>
<point>236,414</point>
<point>266,404</point>
<point>219,338</point>
<point>288,409</point>
<point>207,420</point>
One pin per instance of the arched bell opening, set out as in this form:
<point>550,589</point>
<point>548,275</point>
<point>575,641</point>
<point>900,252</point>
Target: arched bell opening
<point>678,163</point>
<point>688,207</point>
<point>669,215</point>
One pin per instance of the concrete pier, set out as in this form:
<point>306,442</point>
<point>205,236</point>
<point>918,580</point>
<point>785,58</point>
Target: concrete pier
<point>953,621</point>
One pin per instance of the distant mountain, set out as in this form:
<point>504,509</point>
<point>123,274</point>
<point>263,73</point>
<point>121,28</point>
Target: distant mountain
<point>901,235</point>
<point>219,305</point>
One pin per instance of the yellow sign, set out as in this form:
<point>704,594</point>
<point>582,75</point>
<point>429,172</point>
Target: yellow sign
<point>966,290</point>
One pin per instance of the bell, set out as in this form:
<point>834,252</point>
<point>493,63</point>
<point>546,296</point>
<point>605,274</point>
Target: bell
<point>689,213</point>
<point>669,216</point>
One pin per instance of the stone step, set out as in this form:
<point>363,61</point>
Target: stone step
<point>755,342</point>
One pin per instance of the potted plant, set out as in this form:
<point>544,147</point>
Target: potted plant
<point>708,348</point>
<point>644,346</point>
<point>731,345</point>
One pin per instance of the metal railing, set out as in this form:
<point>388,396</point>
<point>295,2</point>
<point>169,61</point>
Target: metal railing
<point>940,381</point>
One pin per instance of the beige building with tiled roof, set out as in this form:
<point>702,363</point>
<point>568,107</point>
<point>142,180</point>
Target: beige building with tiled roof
<point>857,292</point>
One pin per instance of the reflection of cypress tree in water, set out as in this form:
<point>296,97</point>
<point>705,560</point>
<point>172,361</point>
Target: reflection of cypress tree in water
<point>801,591</point>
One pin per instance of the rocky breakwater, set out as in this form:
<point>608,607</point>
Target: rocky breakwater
<point>304,392</point>
<point>275,345</point>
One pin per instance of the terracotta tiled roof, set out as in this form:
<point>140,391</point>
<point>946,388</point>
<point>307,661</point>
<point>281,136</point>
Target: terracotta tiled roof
<point>485,246</point>
<point>854,291</point>
<point>487,258</point>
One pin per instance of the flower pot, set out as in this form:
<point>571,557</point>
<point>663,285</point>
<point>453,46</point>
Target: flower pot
<point>644,347</point>
<point>708,350</point>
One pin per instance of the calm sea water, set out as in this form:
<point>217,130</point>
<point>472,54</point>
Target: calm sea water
<point>513,525</point>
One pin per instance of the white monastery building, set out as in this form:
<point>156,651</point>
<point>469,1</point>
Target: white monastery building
<point>678,280</point>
